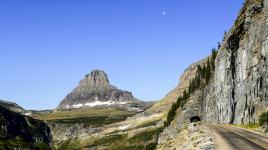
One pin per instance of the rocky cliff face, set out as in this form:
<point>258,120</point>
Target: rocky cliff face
<point>96,91</point>
<point>239,85</point>
<point>22,132</point>
<point>237,91</point>
<point>193,107</point>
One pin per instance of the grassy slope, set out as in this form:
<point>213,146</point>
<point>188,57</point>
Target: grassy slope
<point>142,133</point>
<point>145,139</point>
<point>96,117</point>
<point>164,105</point>
<point>136,137</point>
<point>94,112</point>
<point>140,128</point>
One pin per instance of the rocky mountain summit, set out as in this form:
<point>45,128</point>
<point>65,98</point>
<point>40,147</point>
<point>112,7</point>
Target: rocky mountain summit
<point>96,91</point>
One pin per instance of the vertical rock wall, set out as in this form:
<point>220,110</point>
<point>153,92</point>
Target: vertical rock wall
<point>239,85</point>
<point>237,92</point>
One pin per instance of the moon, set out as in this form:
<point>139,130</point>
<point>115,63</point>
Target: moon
<point>164,13</point>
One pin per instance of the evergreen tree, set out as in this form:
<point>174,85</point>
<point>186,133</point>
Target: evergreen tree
<point>199,70</point>
<point>219,45</point>
<point>213,57</point>
<point>190,86</point>
<point>225,33</point>
<point>208,71</point>
<point>214,54</point>
<point>198,81</point>
<point>203,74</point>
<point>204,69</point>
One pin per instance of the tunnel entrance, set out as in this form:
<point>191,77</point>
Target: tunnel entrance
<point>195,119</point>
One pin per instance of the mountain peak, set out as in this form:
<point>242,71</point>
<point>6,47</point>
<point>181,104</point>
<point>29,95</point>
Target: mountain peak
<point>95,78</point>
<point>96,91</point>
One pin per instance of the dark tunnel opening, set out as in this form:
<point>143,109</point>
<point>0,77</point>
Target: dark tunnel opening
<point>195,119</point>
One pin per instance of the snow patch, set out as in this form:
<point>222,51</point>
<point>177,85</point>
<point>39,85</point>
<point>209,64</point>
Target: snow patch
<point>122,103</point>
<point>99,103</point>
<point>77,105</point>
<point>28,114</point>
<point>124,127</point>
<point>96,103</point>
<point>135,108</point>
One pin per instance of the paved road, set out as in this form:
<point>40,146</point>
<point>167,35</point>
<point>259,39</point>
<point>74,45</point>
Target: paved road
<point>233,138</point>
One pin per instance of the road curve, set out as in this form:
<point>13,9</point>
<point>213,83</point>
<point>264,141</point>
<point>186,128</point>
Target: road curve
<point>234,138</point>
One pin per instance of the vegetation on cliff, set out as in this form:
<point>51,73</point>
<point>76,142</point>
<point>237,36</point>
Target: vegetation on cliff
<point>201,79</point>
<point>18,131</point>
<point>263,119</point>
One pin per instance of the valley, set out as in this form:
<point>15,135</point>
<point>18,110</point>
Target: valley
<point>213,101</point>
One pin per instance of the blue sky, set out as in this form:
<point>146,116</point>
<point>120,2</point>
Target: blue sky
<point>47,46</point>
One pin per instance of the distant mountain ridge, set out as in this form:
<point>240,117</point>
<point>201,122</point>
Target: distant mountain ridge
<point>11,106</point>
<point>96,91</point>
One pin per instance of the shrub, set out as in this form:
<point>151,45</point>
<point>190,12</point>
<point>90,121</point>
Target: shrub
<point>263,118</point>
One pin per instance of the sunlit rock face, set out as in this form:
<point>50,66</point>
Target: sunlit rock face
<point>237,92</point>
<point>96,78</point>
<point>96,91</point>
<point>239,86</point>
